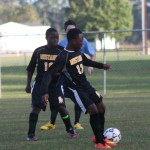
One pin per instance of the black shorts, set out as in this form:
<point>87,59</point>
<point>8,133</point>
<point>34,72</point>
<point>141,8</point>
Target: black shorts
<point>36,96</point>
<point>84,94</point>
<point>56,96</point>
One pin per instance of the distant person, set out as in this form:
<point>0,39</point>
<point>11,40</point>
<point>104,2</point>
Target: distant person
<point>42,58</point>
<point>69,64</point>
<point>87,49</point>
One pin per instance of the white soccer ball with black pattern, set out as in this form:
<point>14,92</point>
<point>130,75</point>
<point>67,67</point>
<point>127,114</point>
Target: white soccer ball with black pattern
<point>113,134</point>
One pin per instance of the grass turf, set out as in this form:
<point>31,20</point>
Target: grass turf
<point>127,101</point>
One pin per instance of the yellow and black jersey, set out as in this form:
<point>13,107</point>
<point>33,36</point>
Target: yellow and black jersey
<point>42,58</point>
<point>71,64</point>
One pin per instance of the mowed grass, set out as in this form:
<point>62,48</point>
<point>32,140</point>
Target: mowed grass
<point>127,100</point>
<point>130,115</point>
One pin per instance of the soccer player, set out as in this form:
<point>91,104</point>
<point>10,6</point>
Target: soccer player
<point>69,64</point>
<point>87,49</point>
<point>42,58</point>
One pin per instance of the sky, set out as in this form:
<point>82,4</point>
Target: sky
<point>32,1</point>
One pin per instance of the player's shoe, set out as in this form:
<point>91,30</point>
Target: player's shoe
<point>93,139</point>
<point>102,146</point>
<point>48,126</point>
<point>78,126</point>
<point>108,142</point>
<point>72,133</point>
<point>32,137</point>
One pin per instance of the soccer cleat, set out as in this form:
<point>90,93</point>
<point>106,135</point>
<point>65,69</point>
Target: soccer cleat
<point>31,137</point>
<point>108,142</point>
<point>72,133</point>
<point>102,146</point>
<point>93,139</point>
<point>48,126</point>
<point>78,126</point>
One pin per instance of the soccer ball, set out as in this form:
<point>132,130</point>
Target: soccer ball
<point>113,134</point>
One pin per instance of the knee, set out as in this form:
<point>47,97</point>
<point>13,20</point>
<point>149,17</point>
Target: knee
<point>92,109</point>
<point>62,110</point>
<point>36,110</point>
<point>101,107</point>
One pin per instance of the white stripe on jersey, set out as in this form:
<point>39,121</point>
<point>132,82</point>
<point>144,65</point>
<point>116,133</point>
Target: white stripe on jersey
<point>32,86</point>
<point>78,100</point>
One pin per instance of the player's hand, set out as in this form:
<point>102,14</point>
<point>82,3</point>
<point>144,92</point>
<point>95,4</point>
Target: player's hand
<point>90,69</point>
<point>28,89</point>
<point>45,98</point>
<point>106,67</point>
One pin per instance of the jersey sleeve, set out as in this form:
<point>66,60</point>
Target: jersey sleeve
<point>32,63</point>
<point>88,62</point>
<point>57,67</point>
<point>87,48</point>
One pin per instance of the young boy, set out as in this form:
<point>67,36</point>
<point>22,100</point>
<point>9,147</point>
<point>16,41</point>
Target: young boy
<point>42,58</point>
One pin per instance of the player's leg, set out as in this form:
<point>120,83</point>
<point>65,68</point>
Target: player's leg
<point>77,109</point>
<point>36,108</point>
<point>58,102</point>
<point>97,127</point>
<point>101,110</point>
<point>87,105</point>
<point>54,113</point>
<point>33,118</point>
<point>66,119</point>
<point>53,116</point>
<point>97,98</point>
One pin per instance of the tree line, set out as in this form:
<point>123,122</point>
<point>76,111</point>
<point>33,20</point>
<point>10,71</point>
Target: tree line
<point>90,15</point>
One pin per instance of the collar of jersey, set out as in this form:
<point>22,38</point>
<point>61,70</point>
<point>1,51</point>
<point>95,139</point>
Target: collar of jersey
<point>68,50</point>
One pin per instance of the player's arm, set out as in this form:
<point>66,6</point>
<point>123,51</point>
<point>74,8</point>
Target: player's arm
<point>88,49</point>
<point>90,69</point>
<point>93,57</point>
<point>30,71</point>
<point>29,79</point>
<point>88,62</point>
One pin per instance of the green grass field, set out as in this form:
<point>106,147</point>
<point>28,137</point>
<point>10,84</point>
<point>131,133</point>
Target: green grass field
<point>127,101</point>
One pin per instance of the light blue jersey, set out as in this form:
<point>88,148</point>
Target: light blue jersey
<point>86,47</point>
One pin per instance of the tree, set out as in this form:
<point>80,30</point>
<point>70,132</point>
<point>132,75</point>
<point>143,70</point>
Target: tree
<point>51,11</point>
<point>20,13</point>
<point>136,37</point>
<point>101,15</point>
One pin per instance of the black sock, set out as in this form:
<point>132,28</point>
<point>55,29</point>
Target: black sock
<point>77,114</point>
<point>65,117</point>
<point>102,120</point>
<point>67,122</point>
<point>33,118</point>
<point>96,127</point>
<point>53,116</point>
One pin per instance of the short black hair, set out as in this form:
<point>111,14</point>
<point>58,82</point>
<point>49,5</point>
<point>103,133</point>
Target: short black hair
<point>49,31</point>
<point>73,33</point>
<point>69,22</point>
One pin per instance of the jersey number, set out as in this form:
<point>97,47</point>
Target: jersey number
<point>80,68</point>
<point>47,65</point>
